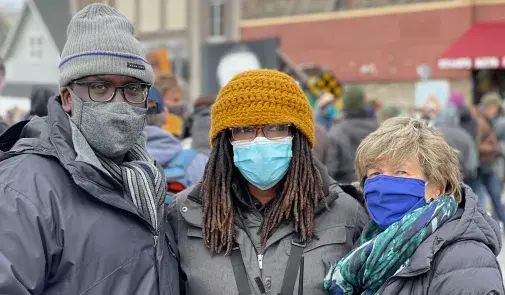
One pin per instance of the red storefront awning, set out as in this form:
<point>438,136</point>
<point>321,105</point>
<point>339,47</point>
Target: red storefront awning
<point>481,47</point>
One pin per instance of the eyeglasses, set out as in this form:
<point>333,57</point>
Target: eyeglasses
<point>102,91</point>
<point>249,133</point>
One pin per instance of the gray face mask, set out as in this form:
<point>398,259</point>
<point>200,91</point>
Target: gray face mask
<point>110,128</point>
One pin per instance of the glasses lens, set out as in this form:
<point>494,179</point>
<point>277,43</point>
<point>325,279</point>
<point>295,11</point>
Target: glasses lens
<point>276,131</point>
<point>135,93</point>
<point>101,91</point>
<point>243,133</point>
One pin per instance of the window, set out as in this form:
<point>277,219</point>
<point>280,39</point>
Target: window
<point>216,20</point>
<point>36,47</point>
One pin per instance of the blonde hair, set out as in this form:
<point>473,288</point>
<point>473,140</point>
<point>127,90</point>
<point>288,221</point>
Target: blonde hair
<point>401,138</point>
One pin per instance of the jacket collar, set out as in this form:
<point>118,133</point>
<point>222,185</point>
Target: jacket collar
<point>469,223</point>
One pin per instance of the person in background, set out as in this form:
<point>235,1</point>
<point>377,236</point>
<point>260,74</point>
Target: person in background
<point>197,126</point>
<point>489,152</point>
<point>325,113</point>
<point>38,100</point>
<point>325,110</point>
<point>263,201</point>
<point>447,122</point>
<point>388,112</point>
<point>79,194</point>
<point>173,98</point>
<point>466,118</point>
<point>320,150</point>
<point>182,168</point>
<point>346,135</point>
<point>428,235</point>
<point>372,108</point>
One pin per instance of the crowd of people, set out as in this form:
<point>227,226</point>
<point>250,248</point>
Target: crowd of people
<point>112,186</point>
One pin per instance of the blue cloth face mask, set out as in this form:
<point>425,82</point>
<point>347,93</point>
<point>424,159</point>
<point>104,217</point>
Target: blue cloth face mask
<point>390,198</point>
<point>263,162</point>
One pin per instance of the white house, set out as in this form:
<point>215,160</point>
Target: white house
<point>32,49</point>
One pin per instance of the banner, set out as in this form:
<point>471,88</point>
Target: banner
<point>431,95</point>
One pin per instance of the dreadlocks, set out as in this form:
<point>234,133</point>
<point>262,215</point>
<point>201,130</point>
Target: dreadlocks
<point>302,192</point>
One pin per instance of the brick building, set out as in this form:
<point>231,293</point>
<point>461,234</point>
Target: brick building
<point>378,47</point>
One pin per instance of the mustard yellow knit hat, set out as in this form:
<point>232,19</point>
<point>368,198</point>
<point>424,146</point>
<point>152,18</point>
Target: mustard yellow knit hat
<point>260,97</point>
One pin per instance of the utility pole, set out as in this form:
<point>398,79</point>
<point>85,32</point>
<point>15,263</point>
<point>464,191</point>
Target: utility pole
<point>195,38</point>
<point>236,15</point>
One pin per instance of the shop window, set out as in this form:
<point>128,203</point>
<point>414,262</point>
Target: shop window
<point>216,21</point>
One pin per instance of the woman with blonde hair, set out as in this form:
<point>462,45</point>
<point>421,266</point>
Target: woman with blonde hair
<point>428,234</point>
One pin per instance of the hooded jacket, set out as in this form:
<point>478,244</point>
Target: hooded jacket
<point>458,258</point>
<point>164,147</point>
<point>66,227</point>
<point>202,272</point>
<point>344,139</point>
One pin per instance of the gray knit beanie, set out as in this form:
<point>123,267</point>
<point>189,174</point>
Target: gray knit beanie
<point>100,42</point>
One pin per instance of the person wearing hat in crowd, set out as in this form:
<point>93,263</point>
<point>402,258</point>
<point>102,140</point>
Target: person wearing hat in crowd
<point>79,193</point>
<point>184,166</point>
<point>264,201</point>
<point>346,135</point>
<point>197,125</point>
<point>447,122</point>
<point>488,184</point>
<point>389,111</point>
<point>466,118</point>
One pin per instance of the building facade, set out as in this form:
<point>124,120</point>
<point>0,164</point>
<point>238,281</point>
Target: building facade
<point>179,27</point>
<point>381,47</point>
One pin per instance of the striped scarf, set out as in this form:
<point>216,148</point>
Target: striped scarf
<point>142,181</point>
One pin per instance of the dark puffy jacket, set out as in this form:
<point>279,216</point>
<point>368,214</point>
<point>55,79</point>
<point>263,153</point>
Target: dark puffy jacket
<point>458,258</point>
<point>344,139</point>
<point>66,228</point>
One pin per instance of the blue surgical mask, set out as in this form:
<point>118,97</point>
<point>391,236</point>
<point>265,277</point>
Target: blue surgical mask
<point>390,198</point>
<point>263,162</point>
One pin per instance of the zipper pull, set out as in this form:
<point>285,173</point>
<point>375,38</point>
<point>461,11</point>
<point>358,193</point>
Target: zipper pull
<point>260,261</point>
<point>155,237</point>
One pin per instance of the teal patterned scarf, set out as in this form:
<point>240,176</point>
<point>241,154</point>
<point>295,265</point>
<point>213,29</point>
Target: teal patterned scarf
<point>381,254</point>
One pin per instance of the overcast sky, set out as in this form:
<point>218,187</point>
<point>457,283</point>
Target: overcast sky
<point>13,3</point>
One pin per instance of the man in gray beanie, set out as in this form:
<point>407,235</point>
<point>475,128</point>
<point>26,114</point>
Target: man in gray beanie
<point>79,194</point>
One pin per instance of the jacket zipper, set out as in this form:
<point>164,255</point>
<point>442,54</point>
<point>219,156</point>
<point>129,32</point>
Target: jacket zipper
<point>260,261</point>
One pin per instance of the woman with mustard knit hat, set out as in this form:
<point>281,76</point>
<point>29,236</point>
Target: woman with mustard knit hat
<point>266,218</point>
